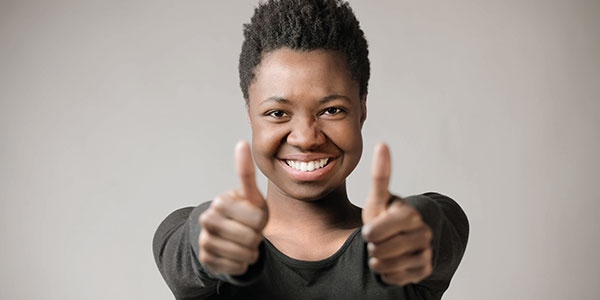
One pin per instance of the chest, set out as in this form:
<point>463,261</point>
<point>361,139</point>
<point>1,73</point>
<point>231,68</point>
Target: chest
<point>309,248</point>
<point>345,275</point>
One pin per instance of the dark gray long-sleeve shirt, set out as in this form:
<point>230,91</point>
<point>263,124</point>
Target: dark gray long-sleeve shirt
<point>344,275</point>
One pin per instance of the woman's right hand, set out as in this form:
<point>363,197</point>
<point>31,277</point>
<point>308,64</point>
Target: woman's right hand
<point>232,225</point>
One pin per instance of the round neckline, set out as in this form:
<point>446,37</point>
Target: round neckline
<point>312,263</point>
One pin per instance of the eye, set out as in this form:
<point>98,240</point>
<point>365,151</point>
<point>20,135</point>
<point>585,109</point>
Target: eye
<point>332,111</point>
<point>277,114</point>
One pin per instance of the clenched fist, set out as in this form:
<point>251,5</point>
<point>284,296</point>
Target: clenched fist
<point>232,225</point>
<point>398,241</point>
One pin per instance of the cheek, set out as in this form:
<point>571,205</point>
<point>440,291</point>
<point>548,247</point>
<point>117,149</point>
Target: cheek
<point>265,142</point>
<point>353,147</point>
<point>348,138</point>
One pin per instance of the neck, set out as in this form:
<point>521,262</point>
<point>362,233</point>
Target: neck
<point>331,213</point>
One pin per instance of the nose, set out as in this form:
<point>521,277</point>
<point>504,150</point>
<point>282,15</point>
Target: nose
<point>306,134</point>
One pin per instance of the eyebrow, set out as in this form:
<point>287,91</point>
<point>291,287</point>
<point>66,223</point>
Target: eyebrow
<point>334,97</point>
<point>321,101</point>
<point>276,99</point>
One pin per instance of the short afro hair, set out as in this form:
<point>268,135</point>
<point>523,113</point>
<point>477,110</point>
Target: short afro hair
<point>304,25</point>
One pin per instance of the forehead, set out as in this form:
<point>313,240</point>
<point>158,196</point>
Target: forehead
<point>302,74</point>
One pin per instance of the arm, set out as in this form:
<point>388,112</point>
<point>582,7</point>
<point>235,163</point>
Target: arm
<point>196,248</point>
<point>176,249</point>
<point>417,242</point>
<point>175,257</point>
<point>450,228</point>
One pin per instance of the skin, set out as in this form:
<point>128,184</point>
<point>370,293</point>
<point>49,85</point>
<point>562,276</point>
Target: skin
<point>304,104</point>
<point>299,123</point>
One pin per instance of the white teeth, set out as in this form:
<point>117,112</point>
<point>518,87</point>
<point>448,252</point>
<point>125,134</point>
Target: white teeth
<point>303,166</point>
<point>307,166</point>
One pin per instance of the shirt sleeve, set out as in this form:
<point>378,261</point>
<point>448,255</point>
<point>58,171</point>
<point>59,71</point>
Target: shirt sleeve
<point>450,228</point>
<point>175,247</point>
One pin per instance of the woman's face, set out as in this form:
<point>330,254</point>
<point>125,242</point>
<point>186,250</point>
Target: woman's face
<point>306,116</point>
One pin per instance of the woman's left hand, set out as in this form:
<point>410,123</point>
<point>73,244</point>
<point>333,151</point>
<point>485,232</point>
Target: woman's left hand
<point>398,241</point>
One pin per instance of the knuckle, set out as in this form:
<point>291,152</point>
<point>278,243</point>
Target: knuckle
<point>208,246</point>
<point>202,219</point>
<point>206,241</point>
<point>202,257</point>
<point>415,218</point>
<point>396,209</point>
<point>233,193</point>
<point>220,203</point>
<point>403,213</point>
<point>206,219</point>
<point>397,205</point>
<point>427,270</point>
<point>428,254</point>
<point>403,249</point>
<point>428,234</point>
<point>202,240</point>
<point>206,259</point>
<point>422,238</point>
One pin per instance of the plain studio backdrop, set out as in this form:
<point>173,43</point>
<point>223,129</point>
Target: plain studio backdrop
<point>115,113</point>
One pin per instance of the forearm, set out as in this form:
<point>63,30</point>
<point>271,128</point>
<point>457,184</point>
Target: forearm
<point>176,260</point>
<point>450,228</point>
<point>176,253</point>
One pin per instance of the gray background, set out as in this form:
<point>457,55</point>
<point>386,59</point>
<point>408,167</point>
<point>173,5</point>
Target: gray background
<point>115,113</point>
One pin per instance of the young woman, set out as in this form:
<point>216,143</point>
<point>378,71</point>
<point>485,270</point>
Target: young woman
<point>304,71</point>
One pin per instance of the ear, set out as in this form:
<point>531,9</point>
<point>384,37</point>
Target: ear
<point>248,112</point>
<point>363,110</point>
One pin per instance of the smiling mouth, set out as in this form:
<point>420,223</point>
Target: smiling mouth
<point>307,166</point>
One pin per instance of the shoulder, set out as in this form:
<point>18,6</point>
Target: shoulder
<point>452,210</point>
<point>435,207</point>
<point>195,213</point>
<point>435,201</point>
<point>180,215</point>
<point>178,218</point>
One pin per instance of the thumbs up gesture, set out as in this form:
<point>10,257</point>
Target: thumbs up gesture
<point>232,225</point>
<point>398,241</point>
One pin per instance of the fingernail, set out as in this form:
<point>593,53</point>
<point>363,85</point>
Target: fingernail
<point>372,261</point>
<point>365,231</point>
<point>371,247</point>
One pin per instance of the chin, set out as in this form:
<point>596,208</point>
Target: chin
<point>307,192</point>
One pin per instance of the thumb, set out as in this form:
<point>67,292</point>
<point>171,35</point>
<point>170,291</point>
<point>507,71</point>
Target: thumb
<point>244,166</point>
<point>380,173</point>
